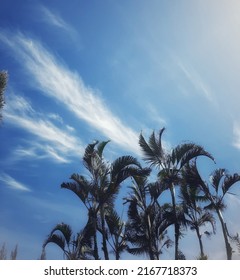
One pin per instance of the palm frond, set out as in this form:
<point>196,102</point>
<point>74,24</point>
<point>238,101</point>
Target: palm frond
<point>61,235</point>
<point>78,189</point>
<point>56,239</point>
<point>184,153</point>
<point>88,154</point>
<point>138,251</point>
<point>153,150</point>
<point>156,189</point>
<point>229,181</point>
<point>101,146</point>
<point>216,177</point>
<point>114,222</point>
<point>123,162</point>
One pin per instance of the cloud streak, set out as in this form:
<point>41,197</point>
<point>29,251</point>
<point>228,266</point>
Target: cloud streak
<point>61,84</point>
<point>195,79</point>
<point>12,183</point>
<point>56,20</point>
<point>53,142</point>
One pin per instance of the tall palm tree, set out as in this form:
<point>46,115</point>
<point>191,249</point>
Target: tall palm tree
<point>3,84</point>
<point>215,191</point>
<point>169,165</point>
<point>196,216</point>
<point>99,191</point>
<point>78,248</point>
<point>146,228</point>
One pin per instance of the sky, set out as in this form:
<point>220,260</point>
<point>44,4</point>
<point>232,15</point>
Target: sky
<point>81,71</point>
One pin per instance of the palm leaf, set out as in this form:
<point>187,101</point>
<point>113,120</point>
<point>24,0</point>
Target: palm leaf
<point>56,239</point>
<point>121,163</point>
<point>183,153</point>
<point>89,151</point>
<point>81,192</point>
<point>101,146</point>
<point>156,189</point>
<point>138,251</point>
<point>229,181</point>
<point>153,150</point>
<point>216,177</point>
<point>114,222</point>
<point>62,238</point>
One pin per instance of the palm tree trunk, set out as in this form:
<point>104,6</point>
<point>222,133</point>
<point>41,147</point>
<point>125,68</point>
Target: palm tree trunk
<point>151,254</point>
<point>117,255</point>
<point>93,217</point>
<point>176,222</point>
<point>200,242</point>
<point>104,235</point>
<point>225,235</point>
<point>95,250</point>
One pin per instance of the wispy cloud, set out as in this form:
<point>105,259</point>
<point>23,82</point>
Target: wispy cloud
<point>51,17</point>
<point>155,116</point>
<point>53,142</point>
<point>67,87</point>
<point>12,183</point>
<point>200,86</point>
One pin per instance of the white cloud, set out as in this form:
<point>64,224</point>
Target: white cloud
<point>56,20</point>
<point>61,84</point>
<point>53,142</point>
<point>154,115</point>
<point>12,183</point>
<point>55,117</point>
<point>195,79</point>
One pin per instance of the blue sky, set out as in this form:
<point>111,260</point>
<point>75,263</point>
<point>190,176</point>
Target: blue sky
<point>87,70</point>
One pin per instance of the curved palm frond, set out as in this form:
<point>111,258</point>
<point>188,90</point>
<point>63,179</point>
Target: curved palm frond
<point>216,177</point>
<point>56,239</point>
<point>122,163</point>
<point>60,235</point>
<point>153,150</point>
<point>229,181</point>
<point>88,154</point>
<point>184,153</point>
<point>82,188</point>
<point>101,146</point>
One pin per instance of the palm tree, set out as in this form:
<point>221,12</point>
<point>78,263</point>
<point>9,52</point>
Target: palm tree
<point>146,228</point>
<point>98,193</point>
<point>116,228</point>
<point>196,216</point>
<point>78,248</point>
<point>220,184</point>
<point>3,84</point>
<point>169,165</point>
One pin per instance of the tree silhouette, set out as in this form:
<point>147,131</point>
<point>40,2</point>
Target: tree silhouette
<point>99,191</point>
<point>189,203</point>
<point>215,191</point>
<point>147,224</point>
<point>74,248</point>
<point>169,165</point>
<point>195,215</point>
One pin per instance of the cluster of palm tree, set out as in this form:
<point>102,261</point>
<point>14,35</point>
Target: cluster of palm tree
<point>193,202</point>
